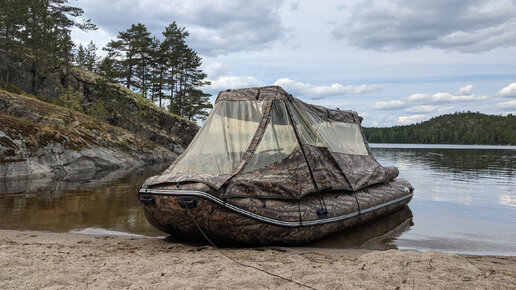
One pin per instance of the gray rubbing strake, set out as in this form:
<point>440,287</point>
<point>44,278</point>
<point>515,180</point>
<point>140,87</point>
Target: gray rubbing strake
<point>267,157</point>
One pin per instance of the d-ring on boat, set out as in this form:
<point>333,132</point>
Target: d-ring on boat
<point>268,168</point>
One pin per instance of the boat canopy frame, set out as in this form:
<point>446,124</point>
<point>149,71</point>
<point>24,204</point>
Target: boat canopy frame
<point>264,143</point>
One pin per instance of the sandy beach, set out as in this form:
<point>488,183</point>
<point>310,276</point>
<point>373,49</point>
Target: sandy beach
<point>63,260</point>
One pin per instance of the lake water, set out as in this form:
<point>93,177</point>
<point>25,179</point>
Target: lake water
<point>464,202</point>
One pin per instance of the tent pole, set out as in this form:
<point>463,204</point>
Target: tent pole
<point>301,146</point>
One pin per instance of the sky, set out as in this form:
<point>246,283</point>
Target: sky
<point>395,62</point>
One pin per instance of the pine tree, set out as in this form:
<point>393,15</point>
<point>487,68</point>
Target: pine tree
<point>86,58</point>
<point>80,57</point>
<point>132,51</point>
<point>197,104</point>
<point>13,15</point>
<point>172,48</point>
<point>183,74</point>
<point>41,29</point>
<point>90,57</point>
<point>191,77</point>
<point>107,68</point>
<point>158,72</point>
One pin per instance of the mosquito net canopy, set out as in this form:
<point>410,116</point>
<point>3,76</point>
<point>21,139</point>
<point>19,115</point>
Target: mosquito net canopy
<point>264,143</point>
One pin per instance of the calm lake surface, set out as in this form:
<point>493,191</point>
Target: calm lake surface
<point>464,202</point>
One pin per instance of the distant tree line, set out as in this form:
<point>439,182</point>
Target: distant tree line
<point>166,71</point>
<point>458,128</point>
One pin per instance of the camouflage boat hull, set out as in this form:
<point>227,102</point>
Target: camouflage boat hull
<point>271,221</point>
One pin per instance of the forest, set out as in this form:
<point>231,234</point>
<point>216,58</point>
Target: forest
<point>457,128</point>
<point>163,69</point>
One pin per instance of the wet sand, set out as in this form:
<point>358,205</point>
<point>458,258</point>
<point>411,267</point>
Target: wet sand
<point>62,260</point>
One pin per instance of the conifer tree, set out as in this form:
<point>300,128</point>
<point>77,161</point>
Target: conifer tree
<point>86,58</point>
<point>12,20</point>
<point>90,58</point>
<point>158,72</point>
<point>41,29</point>
<point>80,56</point>
<point>132,51</point>
<point>183,73</point>
<point>173,47</point>
<point>107,68</point>
<point>196,104</point>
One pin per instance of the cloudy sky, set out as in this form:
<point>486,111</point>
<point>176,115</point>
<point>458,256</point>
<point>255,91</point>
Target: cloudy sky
<point>395,62</point>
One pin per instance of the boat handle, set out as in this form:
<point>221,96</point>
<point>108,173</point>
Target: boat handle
<point>187,202</point>
<point>147,199</point>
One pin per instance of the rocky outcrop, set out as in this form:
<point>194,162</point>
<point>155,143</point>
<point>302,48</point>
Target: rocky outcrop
<point>124,108</point>
<point>133,112</point>
<point>41,139</point>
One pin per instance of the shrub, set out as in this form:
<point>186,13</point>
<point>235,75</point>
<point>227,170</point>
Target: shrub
<point>98,111</point>
<point>70,98</point>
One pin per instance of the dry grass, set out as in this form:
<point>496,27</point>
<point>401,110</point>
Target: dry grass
<point>45,123</point>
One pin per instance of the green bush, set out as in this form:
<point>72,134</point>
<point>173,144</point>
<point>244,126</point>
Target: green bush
<point>98,111</point>
<point>70,98</point>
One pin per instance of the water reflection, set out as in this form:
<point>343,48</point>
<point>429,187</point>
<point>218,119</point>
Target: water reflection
<point>105,200</point>
<point>465,198</point>
<point>464,202</point>
<point>378,234</point>
<point>461,163</point>
<point>466,176</point>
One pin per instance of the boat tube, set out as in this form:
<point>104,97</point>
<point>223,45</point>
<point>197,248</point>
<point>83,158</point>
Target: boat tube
<point>267,168</point>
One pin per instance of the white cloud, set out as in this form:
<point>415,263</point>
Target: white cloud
<point>424,102</point>
<point>255,43</point>
<point>411,119</point>
<point>304,90</point>
<point>389,105</point>
<point>422,109</point>
<point>507,105</point>
<point>315,92</point>
<point>509,91</point>
<point>216,27</point>
<point>421,106</point>
<point>444,98</point>
<point>231,82</point>
<point>465,91</point>
<point>100,38</point>
<point>462,25</point>
<point>216,70</point>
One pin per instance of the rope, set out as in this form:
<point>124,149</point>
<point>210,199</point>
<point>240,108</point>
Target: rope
<point>240,263</point>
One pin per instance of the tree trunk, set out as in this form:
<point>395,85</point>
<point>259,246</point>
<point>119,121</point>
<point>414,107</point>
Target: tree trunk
<point>6,57</point>
<point>129,73</point>
<point>34,72</point>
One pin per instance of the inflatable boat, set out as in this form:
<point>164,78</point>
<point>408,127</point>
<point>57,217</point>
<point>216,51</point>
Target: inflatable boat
<point>267,168</point>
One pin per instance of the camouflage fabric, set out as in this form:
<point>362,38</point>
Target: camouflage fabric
<point>312,167</point>
<point>287,178</point>
<point>362,171</point>
<point>168,216</point>
<point>331,114</point>
<point>269,93</point>
<point>326,171</point>
<point>215,181</point>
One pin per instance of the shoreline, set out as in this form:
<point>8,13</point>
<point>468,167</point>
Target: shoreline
<point>60,260</point>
